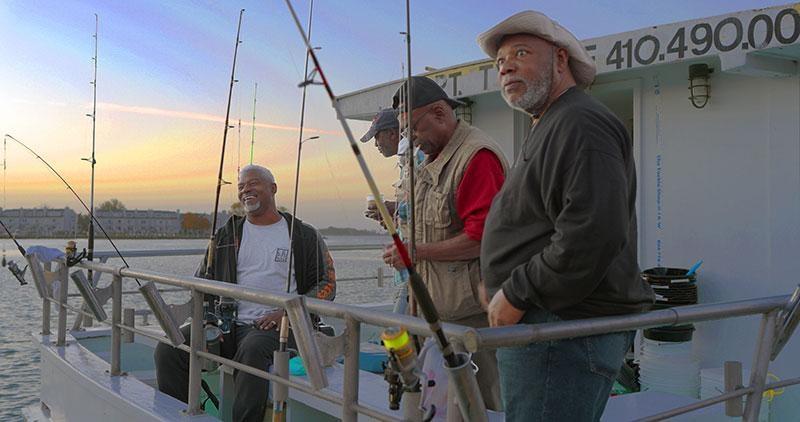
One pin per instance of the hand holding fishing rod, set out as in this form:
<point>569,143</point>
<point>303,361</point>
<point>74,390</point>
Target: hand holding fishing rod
<point>417,285</point>
<point>466,385</point>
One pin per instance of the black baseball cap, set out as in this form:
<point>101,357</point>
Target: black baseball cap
<point>424,91</point>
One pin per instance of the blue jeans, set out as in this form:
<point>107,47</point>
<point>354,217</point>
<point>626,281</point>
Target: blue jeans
<point>564,380</point>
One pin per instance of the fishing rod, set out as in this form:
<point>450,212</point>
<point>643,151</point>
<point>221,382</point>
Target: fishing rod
<point>91,160</point>
<point>415,280</point>
<point>5,152</point>
<point>86,207</point>
<point>212,242</point>
<point>253,133</point>
<point>279,406</point>
<point>239,147</point>
<point>410,152</point>
<point>411,163</point>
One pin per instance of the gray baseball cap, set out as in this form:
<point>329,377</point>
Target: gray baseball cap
<point>385,119</point>
<point>424,91</point>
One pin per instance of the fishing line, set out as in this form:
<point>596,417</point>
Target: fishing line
<point>86,207</point>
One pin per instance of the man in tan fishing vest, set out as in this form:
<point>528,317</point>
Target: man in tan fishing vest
<point>462,173</point>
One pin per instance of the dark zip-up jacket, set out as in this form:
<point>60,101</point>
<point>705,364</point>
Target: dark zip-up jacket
<point>313,264</point>
<point>561,233</point>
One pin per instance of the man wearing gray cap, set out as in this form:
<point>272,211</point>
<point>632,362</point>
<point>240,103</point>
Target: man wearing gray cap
<point>463,171</point>
<point>385,130</point>
<point>560,240</point>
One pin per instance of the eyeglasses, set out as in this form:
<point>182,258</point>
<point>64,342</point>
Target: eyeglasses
<point>404,132</point>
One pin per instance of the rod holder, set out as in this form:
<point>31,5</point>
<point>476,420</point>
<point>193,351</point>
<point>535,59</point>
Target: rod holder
<point>787,323</point>
<point>280,367</point>
<point>162,313</point>
<point>89,295</point>
<point>410,406</point>
<point>462,380</point>
<point>306,345</point>
<point>38,275</point>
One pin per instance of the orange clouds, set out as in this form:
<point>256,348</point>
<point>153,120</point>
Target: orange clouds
<point>152,111</point>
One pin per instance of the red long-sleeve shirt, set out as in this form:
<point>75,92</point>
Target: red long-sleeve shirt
<point>482,179</point>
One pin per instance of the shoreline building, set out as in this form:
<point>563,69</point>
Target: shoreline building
<point>140,222</point>
<point>40,222</point>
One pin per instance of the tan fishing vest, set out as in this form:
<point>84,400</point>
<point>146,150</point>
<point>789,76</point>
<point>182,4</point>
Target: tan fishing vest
<point>453,285</point>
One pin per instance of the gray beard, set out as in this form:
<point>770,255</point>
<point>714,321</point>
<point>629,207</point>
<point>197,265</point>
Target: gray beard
<point>252,206</point>
<point>535,97</point>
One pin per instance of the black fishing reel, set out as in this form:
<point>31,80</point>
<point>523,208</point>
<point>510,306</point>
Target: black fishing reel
<point>18,274</point>
<point>392,377</point>
<point>223,315</point>
<point>72,255</point>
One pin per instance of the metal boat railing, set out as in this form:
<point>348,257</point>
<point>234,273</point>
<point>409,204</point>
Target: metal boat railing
<point>774,313</point>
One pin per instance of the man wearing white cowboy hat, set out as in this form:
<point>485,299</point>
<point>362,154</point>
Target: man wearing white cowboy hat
<point>560,238</point>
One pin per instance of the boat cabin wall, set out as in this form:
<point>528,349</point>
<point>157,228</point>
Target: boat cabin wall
<point>722,184</point>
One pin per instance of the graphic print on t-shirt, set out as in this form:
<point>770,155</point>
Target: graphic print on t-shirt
<point>281,255</point>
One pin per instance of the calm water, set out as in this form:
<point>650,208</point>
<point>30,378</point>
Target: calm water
<point>20,307</point>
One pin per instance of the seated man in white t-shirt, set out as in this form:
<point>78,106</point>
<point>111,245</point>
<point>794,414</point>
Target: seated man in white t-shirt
<point>254,252</point>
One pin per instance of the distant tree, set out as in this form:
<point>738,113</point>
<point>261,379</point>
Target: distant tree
<point>195,222</point>
<point>112,204</point>
<point>237,209</point>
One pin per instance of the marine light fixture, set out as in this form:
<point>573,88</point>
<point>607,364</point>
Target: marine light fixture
<point>699,88</point>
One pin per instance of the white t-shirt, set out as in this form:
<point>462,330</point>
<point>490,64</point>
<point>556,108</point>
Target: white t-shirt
<point>263,264</point>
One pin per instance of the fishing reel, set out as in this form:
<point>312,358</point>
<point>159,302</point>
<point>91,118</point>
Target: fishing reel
<point>18,274</point>
<point>220,319</point>
<point>71,254</point>
<point>401,370</point>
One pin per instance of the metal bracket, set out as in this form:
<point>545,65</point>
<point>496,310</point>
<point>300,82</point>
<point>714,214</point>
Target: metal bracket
<point>181,312</point>
<point>43,278</point>
<point>331,347</point>
<point>787,322</point>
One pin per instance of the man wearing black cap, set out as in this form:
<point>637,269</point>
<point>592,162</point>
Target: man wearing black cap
<point>463,171</point>
<point>560,238</point>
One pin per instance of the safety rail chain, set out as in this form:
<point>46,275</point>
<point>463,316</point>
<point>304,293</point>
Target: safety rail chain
<point>778,319</point>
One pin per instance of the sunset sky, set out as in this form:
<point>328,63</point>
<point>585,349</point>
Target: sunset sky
<point>164,70</point>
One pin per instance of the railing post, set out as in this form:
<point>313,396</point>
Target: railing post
<point>45,316</point>
<point>758,374</point>
<point>733,381</point>
<point>129,320</point>
<point>351,364</point>
<point>63,281</point>
<point>116,320</point>
<point>380,276</point>
<point>196,344</point>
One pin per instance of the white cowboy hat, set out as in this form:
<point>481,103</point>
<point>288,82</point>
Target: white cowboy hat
<point>534,23</point>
